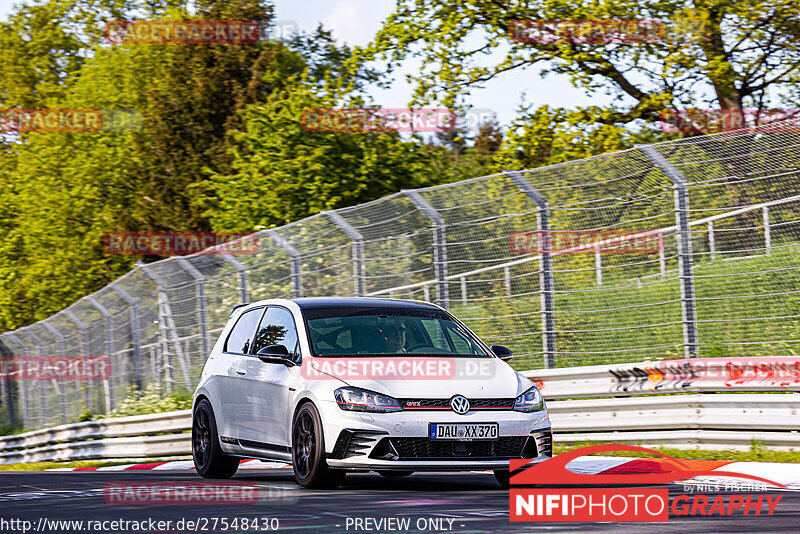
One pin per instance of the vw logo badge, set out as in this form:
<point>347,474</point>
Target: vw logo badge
<point>459,404</point>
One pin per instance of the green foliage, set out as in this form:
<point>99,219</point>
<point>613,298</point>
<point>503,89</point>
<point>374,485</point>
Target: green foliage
<point>6,427</point>
<point>151,399</point>
<point>547,136</point>
<point>714,53</point>
<point>282,171</point>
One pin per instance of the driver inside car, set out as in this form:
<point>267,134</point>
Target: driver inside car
<point>392,333</point>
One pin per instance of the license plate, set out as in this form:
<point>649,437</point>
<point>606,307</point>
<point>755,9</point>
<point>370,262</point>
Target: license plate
<point>464,432</point>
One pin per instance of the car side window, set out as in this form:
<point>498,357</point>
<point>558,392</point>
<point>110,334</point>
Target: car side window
<point>460,341</point>
<point>241,337</point>
<point>276,328</point>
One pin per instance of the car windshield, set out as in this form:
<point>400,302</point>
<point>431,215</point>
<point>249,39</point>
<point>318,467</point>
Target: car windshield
<point>388,332</point>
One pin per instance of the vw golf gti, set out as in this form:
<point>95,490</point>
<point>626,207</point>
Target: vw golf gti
<point>337,385</point>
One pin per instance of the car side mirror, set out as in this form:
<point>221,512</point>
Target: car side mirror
<point>504,353</point>
<point>275,354</point>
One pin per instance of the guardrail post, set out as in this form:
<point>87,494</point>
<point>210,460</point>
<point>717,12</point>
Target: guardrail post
<point>84,332</point>
<point>135,341</point>
<point>294,262</point>
<point>684,247</point>
<point>200,295</point>
<point>42,421</point>
<point>439,245</point>
<point>9,391</point>
<point>25,412</point>
<point>767,231</point>
<point>359,268</point>
<point>109,348</point>
<point>60,388</point>
<point>546,277</point>
<point>167,327</point>
<point>236,264</point>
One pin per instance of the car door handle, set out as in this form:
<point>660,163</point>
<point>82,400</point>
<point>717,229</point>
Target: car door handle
<point>241,372</point>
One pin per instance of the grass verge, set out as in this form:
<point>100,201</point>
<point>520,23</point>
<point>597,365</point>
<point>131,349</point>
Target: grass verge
<point>42,466</point>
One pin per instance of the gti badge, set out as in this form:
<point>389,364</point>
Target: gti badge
<point>459,404</point>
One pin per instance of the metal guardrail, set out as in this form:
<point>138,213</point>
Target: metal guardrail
<point>699,375</point>
<point>624,403</point>
<point>139,436</point>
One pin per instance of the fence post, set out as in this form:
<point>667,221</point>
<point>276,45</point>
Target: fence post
<point>84,332</point>
<point>767,231</point>
<point>166,324</point>
<point>9,391</point>
<point>359,268</point>
<point>598,265</point>
<point>135,341</point>
<point>439,245</point>
<point>42,421</point>
<point>685,266</point>
<point>61,388</point>
<point>25,413</point>
<point>712,243</point>
<point>236,264</point>
<point>546,277</point>
<point>200,294</point>
<point>109,344</point>
<point>295,263</point>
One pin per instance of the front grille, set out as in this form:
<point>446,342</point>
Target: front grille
<point>444,404</point>
<point>426,449</point>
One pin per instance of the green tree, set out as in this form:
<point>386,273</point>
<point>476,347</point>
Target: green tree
<point>547,136</point>
<point>716,53</point>
<point>283,170</point>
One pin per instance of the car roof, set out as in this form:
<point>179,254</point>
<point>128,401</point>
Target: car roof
<point>312,303</point>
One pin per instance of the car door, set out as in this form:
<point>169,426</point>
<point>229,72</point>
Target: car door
<point>235,354</point>
<point>266,384</point>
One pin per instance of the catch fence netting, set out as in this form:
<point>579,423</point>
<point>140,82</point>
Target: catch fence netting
<point>680,249</point>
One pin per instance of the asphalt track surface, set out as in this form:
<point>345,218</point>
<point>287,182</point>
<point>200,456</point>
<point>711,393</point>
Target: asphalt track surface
<point>473,501</point>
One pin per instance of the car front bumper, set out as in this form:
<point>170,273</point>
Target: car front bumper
<point>400,440</point>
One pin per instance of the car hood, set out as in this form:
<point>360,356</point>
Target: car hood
<point>493,379</point>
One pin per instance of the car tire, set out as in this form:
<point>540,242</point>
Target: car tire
<point>308,451</point>
<point>395,474</point>
<point>209,460</point>
<point>503,478</point>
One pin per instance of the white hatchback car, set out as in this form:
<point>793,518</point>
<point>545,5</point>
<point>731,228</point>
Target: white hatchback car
<point>333,385</point>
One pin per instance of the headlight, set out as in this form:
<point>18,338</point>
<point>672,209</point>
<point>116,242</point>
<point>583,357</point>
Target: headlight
<point>361,400</point>
<point>530,401</point>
